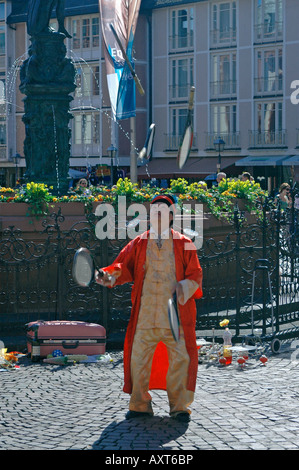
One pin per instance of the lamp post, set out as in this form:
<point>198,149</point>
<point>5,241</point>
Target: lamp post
<point>16,158</point>
<point>112,150</point>
<point>219,147</point>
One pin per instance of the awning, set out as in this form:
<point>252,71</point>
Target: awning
<point>76,174</point>
<point>291,161</point>
<point>261,161</point>
<point>165,167</point>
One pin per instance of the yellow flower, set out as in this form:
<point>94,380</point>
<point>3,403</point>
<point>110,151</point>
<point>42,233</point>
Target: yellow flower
<point>224,322</point>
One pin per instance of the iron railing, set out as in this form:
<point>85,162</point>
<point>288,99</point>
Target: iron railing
<point>36,276</point>
<point>267,139</point>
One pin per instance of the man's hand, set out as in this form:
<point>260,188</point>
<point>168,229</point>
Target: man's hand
<point>103,278</point>
<point>179,292</point>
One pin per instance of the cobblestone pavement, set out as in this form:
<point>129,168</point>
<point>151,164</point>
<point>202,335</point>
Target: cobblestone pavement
<point>83,407</point>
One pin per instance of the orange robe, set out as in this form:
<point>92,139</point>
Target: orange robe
<point>129,267</point>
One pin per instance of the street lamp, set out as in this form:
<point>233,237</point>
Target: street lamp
<point>16,158</point>
<point>219,147</point>
<point>112,150</point>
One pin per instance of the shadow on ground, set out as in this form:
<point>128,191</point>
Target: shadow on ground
<point>142,433</point>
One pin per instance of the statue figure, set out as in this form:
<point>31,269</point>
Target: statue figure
<point>39,14</point>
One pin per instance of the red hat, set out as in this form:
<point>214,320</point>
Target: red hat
<point>169,199</point>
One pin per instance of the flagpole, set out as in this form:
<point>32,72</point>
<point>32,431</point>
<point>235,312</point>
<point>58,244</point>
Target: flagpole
<point>133,155</point>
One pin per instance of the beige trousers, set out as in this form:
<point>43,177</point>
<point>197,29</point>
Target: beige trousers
<point>144,345</point>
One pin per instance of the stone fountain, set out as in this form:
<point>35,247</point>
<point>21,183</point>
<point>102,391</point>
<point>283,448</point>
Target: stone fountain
<point>47,77</point>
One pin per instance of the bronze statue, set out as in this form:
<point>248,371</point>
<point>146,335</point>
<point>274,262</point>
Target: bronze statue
<point>39,14</point>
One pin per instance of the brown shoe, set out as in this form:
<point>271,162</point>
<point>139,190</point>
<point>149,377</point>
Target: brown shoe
<point>182,417</point>
<point>137,414</point>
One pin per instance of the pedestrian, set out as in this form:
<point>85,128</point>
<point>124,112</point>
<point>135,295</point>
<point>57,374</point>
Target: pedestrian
<point>220,176</point>
<point>284,196</point>
<point>82,187</point>
<point>246,176</point>
<point>159,262</point>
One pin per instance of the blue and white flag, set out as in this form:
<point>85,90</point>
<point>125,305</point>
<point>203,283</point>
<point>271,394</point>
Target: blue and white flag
<point>123,15</point>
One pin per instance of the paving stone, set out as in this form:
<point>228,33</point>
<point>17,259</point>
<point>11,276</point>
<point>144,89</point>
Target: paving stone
<point>83,407</point>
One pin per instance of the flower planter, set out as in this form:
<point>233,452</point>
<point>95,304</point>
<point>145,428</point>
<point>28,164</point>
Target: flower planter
<point>18,216</point>
<point>68,208</point>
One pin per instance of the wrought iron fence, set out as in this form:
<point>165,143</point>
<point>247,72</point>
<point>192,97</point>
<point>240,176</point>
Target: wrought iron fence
<point>36,277</point>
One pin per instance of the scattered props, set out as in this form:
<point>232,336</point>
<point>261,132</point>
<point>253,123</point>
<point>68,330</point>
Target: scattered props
<point>84,267</point>
<point>146,152</point>
<point>173,317</point>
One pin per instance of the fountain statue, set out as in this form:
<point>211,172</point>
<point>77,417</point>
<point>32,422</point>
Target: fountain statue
<point>47,77</point>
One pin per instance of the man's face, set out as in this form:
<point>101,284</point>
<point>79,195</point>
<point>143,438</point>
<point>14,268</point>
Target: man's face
<point>160,216</point>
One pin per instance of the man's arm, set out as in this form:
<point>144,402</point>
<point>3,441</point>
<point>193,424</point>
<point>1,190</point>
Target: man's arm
<point>121,270</point>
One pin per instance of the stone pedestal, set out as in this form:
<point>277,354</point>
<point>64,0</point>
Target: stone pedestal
<point>47,79</point>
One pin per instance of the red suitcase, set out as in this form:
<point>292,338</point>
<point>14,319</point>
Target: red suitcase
<point>70,337</point>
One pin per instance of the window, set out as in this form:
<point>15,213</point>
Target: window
<point>269,122</point>
<point>86,32</point>
<point>95,32</point>
<point>86,128</point>
<point>269,116</point>
<point>269,71</point>
<point>181,78</point>
<point>87,81</point>
<point>177,125</point>
<point>178,121</point>
<point>268,20</point>
<point>96,80</point>
<point>2,11</point>
<point>96,129</point>
<point>223,74</point>
<point>76,34</point>
<point>223,23</point>
<point>2,131</point>
<point>224,119</point>
<point>181,27</point>
<point>2,40</point>
<point>2,90</point>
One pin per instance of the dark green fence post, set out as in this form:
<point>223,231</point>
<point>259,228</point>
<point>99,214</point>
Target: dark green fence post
<point>238,218</point>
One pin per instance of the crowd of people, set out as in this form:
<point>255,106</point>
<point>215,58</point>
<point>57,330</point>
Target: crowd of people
<point>282,196</point>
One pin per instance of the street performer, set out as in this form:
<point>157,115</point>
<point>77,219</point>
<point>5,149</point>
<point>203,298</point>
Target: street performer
<point>159,262</point>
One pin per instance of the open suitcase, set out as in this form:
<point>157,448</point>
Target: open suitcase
<point>70,337</point>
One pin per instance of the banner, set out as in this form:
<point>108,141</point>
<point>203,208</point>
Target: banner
<point>123,15</point>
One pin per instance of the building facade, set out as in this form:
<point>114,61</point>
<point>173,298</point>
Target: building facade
<point>241,56</point>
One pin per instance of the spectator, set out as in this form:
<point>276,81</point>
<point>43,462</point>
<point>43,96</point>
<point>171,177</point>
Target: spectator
<point>284,196</point>
<point>82,184</point>
<point>246,176</point>
<point>221,176</point>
